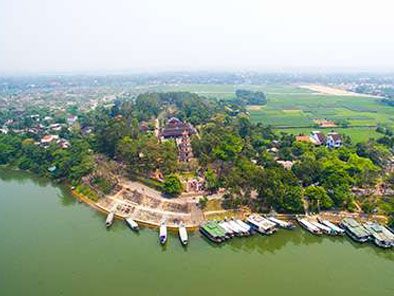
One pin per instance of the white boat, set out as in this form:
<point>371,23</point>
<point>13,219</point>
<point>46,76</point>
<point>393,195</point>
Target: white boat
<point>183,234</point>
<point>110,218</point>
<point>325,229</point>
<point>228,229</point>
<point>261,224</point>
<point>132,224</point>
<point>236,227</point>
<point>163,233</point>
<point>245,226</point>
<point>309,226</point>
<point>335,228</point>
<point>282,224</point>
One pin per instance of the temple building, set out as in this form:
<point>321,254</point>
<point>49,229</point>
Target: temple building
<point>185,152</point>
<point>175,129</point>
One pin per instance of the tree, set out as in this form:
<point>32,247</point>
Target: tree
<point>212,180</point>
<point>308,170</point>
<point>362,170</point>
<point>318,197</point>
<point>172,185</point>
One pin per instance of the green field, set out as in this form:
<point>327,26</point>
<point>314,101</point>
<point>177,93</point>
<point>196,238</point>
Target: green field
<point>295,108</point>
<point>356,134</point>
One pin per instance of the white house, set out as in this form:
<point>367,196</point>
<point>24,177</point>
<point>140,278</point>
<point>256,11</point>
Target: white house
<point>334,140</point>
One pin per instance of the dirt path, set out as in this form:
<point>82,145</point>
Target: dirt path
<point>333,91</point>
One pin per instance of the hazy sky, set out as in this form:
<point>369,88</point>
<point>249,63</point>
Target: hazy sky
<point>149,35</point>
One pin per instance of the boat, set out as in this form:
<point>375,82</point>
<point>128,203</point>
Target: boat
<point>163,233</point>
<point>132,224</point>
<point>110,218</point>
<point>282,224</point>
<point>355,230</point>
<point>228,229</point>
<point>240,230</point>
<point>261,225</point>
<point>309,226</point>
<point>325,229</point>
<point>381,236</point>
<point>337,230</point>
<point>212,231</point>
<point>183,234</point>
<point>245,226</point>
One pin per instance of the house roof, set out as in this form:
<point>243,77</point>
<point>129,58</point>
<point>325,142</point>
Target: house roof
<point>320,136</point>
<point>335,136</point>
<point>303,139</point>
<point>176,128</point>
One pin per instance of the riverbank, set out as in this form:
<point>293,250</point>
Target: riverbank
<point>146,206</point>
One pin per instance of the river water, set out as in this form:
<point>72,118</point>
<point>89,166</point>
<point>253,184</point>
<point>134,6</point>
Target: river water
<point>50,244</point>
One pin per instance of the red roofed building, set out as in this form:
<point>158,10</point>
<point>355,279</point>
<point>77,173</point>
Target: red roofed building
<point>175,129</point>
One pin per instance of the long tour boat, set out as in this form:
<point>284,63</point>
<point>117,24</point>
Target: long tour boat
<point>213,231</point>
<point>337,230</point>
<point>110,218</point>
<point>183,234</point>
<point>163,232</point>
<point>325,229</point>
<point>282,224</point>
<point>355,230</point>
<point>309,226</point>
<point>245,226</point>
<point>132,224</point>
<point>228,229</point>
<point>381,236</point>
<point>240,230</point>
<point>261,225</point>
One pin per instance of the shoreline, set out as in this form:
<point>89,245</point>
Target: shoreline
<point>331,215</point>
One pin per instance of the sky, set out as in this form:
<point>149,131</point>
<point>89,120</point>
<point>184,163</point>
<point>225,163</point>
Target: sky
<point>189,35</point>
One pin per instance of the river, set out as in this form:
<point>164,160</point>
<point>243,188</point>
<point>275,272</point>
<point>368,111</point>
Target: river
<point>50,244</point>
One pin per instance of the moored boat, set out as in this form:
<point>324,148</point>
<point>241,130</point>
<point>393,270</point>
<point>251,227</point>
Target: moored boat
<point>261,225</point>
<point>240,230</point>
<point>228,229</point>
<point>163,232</point>
<point>110,218</point>
<point>381,236</point>
<point>132,224</point>
<point>282,224</point>
<point>309,226</point>
<point>355,230</point>
<point>245,226</point>
<point>325,229</point>
<point>212,231</point>
<point>337,230</point>
<point>183,234</point>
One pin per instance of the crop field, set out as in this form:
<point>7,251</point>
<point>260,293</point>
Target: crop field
<point>357,134</point>
<point>295,108</point>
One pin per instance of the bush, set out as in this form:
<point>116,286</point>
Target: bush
<point>88,192</point>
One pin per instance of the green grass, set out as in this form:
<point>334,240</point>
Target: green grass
<point>356,134</point>
<point>358,111</point>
